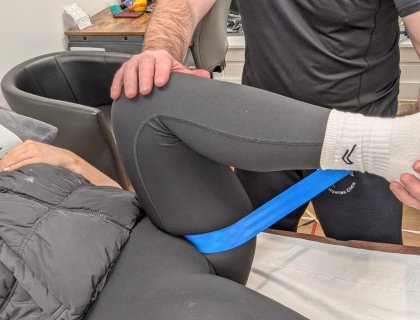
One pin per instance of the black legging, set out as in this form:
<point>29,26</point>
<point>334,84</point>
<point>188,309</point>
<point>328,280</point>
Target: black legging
<point>178,144</point>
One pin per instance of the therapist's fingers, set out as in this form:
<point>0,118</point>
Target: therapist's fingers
<point>117,84</point>
<point>196,72</point>
<point>408,191</point>
<point>142,71</point>
<point>416,166</point>
<point>127,78</point>
<point>146,73</point>
<point>411,184</point>
<point>201,73</point>
<point>165,64</point>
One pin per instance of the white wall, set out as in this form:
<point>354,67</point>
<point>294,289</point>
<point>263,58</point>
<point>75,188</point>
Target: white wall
<point>35,27</point>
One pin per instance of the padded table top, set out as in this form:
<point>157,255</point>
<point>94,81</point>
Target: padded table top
<point>323,278</point>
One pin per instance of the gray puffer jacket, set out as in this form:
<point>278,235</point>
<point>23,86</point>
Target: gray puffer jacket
<point>59,238</point>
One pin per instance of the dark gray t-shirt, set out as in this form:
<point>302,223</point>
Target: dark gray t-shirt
<point>334,53</point>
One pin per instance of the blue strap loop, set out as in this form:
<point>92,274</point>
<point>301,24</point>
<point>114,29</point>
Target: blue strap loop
<point>260,219</point>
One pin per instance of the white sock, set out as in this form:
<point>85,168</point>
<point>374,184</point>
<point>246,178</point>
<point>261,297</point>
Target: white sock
<point>387,147</point>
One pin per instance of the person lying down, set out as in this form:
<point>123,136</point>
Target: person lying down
<point>26,141</point>
<point>62,224</point>
<point>59,231</point>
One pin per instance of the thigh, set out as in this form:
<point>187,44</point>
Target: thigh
<point>159,276</point>
<point>197,296</point>
<point>178,143</point>
<point>264,186</point>
<point>360,207</point>
<point>149,255</point>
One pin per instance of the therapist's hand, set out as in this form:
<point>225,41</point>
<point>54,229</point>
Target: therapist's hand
<point>143,71</point>
<point>408,191</point>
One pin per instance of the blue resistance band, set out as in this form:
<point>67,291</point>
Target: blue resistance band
<point>277,208</point>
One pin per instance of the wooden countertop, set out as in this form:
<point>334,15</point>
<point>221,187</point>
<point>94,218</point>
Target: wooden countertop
<point>105,25</point>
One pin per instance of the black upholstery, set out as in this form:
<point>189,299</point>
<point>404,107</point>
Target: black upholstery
<point>70,90</point>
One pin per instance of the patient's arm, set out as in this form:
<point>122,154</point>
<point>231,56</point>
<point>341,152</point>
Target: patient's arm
<point>30,152</point>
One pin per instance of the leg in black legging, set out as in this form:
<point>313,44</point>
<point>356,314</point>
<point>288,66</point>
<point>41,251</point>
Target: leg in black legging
<point>178,144</point>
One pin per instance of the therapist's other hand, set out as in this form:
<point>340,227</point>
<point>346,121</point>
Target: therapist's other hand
<point>143,71</point>
<point>30,152</point>
<point>408,189</point>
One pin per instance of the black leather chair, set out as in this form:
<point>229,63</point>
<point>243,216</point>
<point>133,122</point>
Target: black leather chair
<point>209,43</point>
<point>70,90</point>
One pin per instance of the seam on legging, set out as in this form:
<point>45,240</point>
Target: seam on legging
<point>240,138</point>
<point>138,169</point>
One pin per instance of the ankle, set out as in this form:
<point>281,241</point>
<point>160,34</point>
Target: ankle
<point>382,146</point>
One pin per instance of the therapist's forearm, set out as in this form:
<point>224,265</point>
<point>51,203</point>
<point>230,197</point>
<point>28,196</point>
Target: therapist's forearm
<point>412,23</point>
<point>172,25</point>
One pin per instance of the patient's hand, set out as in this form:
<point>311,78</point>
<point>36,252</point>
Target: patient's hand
<point>30,152</point>
<point>408,189</point>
